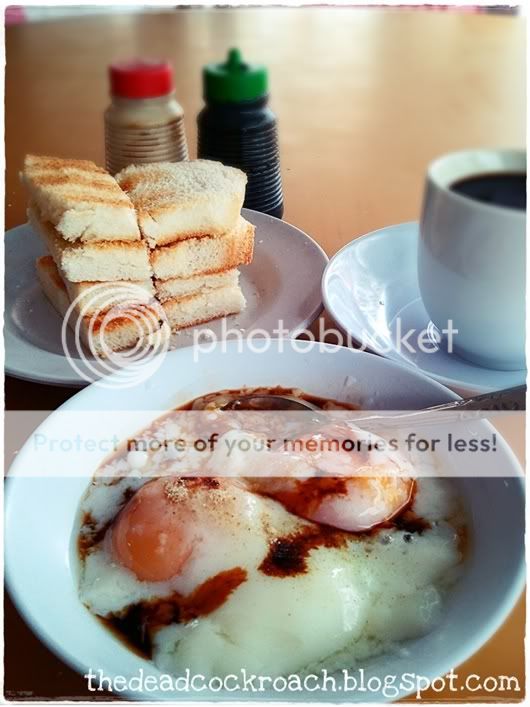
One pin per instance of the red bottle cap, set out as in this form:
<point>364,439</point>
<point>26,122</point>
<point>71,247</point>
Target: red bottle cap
<point>141,78</point>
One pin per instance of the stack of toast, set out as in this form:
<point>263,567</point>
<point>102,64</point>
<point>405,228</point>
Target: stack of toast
<point>189,214</point>
<point>90,229</point>
<point>169,235</point>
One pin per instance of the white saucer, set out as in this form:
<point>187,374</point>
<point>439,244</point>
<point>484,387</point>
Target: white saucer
<point>370,288</point>
<point>275,297</point>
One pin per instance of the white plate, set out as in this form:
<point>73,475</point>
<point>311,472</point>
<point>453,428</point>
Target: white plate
<point>371,284</point>
<point>40,566</point>
<point>275,297</point>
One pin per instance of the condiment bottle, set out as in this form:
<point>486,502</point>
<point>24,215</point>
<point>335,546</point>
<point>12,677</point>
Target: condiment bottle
<point>144,123</point>
<point>237,128</point>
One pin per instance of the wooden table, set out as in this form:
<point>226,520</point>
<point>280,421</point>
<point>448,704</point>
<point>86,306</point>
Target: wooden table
<point>365,99</point>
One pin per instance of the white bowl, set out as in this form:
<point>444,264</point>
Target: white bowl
<point>40,511</point>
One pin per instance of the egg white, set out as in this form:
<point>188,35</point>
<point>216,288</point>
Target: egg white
<point>352,602</point>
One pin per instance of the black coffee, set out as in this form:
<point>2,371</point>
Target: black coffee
<point>503,189</point>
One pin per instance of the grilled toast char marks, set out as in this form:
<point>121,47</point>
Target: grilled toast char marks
<point>80,200</point>
<point>173,231</point>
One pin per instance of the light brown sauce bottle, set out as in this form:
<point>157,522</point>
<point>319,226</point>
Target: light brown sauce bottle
<point>144,123</point>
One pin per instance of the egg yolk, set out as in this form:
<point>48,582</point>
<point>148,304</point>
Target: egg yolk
<point>149,536</point>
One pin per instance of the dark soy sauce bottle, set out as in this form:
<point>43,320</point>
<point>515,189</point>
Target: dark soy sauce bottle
<point>237,128</point>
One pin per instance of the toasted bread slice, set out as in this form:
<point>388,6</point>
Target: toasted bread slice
<point>94,297</point>
<point>203,307</point>
<point>80,200</point>
<point>94,262</point>
<point>119,329</point>
<point>52,283</point>
<point>206,255</point>
<point>185,286</point>
<point>179,200</point>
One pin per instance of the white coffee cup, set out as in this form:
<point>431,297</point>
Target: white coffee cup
<point>471,260</point>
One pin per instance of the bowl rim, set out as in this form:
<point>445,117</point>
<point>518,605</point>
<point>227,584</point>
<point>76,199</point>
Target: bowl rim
<point>478,639</point>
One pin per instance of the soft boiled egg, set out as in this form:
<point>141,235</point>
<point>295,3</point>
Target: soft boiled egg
<point>176,536</point>
<point>226,578</point>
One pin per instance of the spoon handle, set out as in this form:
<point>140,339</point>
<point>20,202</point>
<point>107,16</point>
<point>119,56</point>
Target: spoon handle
<point>507,399</point>
<point>510,399</point>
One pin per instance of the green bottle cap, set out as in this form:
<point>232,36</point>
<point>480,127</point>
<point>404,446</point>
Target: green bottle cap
<point>234,80</point>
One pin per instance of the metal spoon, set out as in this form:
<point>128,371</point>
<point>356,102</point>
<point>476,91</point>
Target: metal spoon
<point>509,399</point>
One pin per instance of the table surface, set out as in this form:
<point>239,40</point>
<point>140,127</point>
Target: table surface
<point>365,99</point>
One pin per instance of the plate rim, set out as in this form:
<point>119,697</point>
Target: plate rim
<point>71,379</point>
